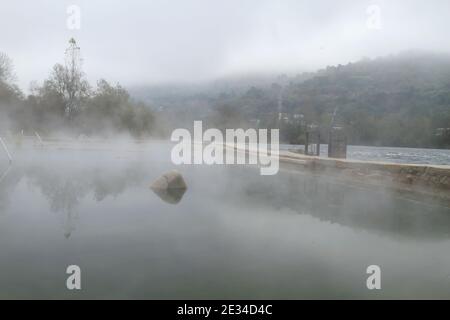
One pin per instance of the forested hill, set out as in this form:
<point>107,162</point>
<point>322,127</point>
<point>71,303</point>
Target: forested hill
<point>399,100</point>
<point>394,101</point>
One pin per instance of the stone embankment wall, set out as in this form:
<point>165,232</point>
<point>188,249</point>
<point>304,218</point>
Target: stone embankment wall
<point>426,179</point>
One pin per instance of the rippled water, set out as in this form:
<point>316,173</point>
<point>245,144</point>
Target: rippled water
<point>388,154</point>
<point>234,234</point>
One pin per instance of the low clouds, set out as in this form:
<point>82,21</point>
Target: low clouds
<point>143,42</point>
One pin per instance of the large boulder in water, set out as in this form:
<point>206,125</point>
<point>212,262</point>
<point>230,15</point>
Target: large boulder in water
<point>170,187</point>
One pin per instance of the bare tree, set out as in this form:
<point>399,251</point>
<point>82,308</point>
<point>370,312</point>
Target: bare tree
<point>69,81</point>
<point>6,68</point>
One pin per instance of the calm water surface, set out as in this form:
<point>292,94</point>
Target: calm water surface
<point>234,234</point>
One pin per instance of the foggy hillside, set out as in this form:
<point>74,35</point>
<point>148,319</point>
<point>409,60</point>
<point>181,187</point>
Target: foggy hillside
<point>397,100</point>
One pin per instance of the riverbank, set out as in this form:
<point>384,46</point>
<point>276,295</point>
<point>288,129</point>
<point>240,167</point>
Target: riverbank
<point>421,182</point>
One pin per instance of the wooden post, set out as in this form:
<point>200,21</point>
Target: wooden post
<point>5,173</point>
<point>39,138</point>
<point>318,144</point>
<point>6,149</point>
<point>306,143</point>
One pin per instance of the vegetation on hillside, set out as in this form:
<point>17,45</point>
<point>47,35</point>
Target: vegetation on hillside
<point>401,100</point>
<point>66,102</point>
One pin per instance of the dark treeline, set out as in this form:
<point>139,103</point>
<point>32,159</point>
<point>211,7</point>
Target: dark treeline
<point>67,103</point>
<point>401,100</point>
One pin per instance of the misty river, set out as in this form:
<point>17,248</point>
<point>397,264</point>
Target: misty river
<point>233,234</point>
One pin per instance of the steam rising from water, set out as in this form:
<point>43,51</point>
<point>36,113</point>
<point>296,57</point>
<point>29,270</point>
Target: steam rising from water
<point>286,236</point>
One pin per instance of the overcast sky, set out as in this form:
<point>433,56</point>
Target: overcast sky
<point>144,42</point>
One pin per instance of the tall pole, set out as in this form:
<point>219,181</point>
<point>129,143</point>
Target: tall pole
<point>334,116</point>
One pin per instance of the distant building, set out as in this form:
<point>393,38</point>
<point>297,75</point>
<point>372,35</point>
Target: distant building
<point>282,116</point>
<point>296,118</point>
<point>255,122</point>
<point>442,132</point>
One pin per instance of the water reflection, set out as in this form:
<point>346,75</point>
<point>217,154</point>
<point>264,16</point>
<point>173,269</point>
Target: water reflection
<point>378,211</point>
<point>171,196</point>
<point>66,186</point>
<point>8,181</point>
<point>287,236</point>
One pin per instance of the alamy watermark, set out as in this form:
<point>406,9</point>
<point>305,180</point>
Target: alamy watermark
<point>73,282</point>
<point>374,280</point>
<point>73,21</point>
<point>374,21</point>
<point>210,147</point>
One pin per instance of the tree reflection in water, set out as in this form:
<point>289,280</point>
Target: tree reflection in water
<point>8,180</point>
<point>66,188</point>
